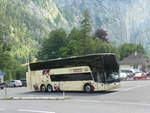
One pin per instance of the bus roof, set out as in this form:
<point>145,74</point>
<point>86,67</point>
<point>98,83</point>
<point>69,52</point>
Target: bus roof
<point>100,60</point>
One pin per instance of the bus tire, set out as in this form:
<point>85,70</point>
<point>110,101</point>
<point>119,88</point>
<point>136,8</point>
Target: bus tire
<point>2,88</point>
<point>87,88</point>
<point>49,88</point>
<point>14,85</point>
<point>42,88</point>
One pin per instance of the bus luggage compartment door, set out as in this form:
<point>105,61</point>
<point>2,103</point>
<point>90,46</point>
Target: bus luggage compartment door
<point>71,86</point>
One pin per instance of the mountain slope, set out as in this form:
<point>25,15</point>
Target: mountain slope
<point>124,20</point>
<point>27,22</point>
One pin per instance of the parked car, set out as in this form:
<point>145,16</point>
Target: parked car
<point>123,76</point>
<point>24,83</point>
<point>130,72</point>
<point>2,85</point>
<point>140,75</point>
<point>148,74</point>
<point>14,83</point>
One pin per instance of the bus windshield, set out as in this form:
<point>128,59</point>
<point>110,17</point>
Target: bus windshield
<point>111,77</point>
<point>106,77</point>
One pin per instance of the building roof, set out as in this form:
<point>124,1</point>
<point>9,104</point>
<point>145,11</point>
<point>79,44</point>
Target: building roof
<point>135,59</point>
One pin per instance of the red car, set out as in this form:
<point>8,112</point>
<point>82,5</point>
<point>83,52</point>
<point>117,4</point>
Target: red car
<point>138,76</point>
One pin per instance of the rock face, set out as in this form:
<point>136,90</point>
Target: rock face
<point>124,20</point>
<point>46,11</point>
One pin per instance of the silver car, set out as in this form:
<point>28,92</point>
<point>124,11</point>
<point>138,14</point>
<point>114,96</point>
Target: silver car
<point>14,83</point>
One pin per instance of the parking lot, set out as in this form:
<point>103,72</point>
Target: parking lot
<point>132,97</point>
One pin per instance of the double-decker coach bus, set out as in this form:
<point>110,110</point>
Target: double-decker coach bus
<point>89,73</point>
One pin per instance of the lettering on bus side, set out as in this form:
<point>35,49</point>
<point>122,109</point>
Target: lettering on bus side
<point>79,70</point>
<point>76,70</point>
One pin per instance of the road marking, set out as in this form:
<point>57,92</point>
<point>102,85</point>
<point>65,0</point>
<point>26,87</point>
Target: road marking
<point>110,102</point>
<point>34,111</point>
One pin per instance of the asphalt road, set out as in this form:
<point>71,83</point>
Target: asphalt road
<point>132,97</point>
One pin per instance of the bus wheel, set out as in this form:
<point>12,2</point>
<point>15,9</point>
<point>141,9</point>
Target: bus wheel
<point>87,88</point>
<point>42,88</point>
<point>49,88</point>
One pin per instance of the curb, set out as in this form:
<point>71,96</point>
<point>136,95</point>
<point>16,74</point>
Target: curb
<point>35,98</point>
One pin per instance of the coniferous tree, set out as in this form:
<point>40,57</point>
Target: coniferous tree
<point>86,24</point>
<point>85,35</point>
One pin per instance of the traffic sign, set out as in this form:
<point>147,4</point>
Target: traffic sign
<point>2,73</point>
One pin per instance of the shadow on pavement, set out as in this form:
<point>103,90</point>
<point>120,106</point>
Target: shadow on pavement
<point>67,93</point>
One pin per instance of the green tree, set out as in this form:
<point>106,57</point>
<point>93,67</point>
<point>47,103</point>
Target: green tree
<point>75,34</point>
<point>101,34</point>
<point>140,49</point>
<point>52,46</point>
<point>8,64</point>
<point>77,42</point>
<point>86,24</point>
<point>105,47</point>
<point>129,48</point>
<point>72,49</point>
